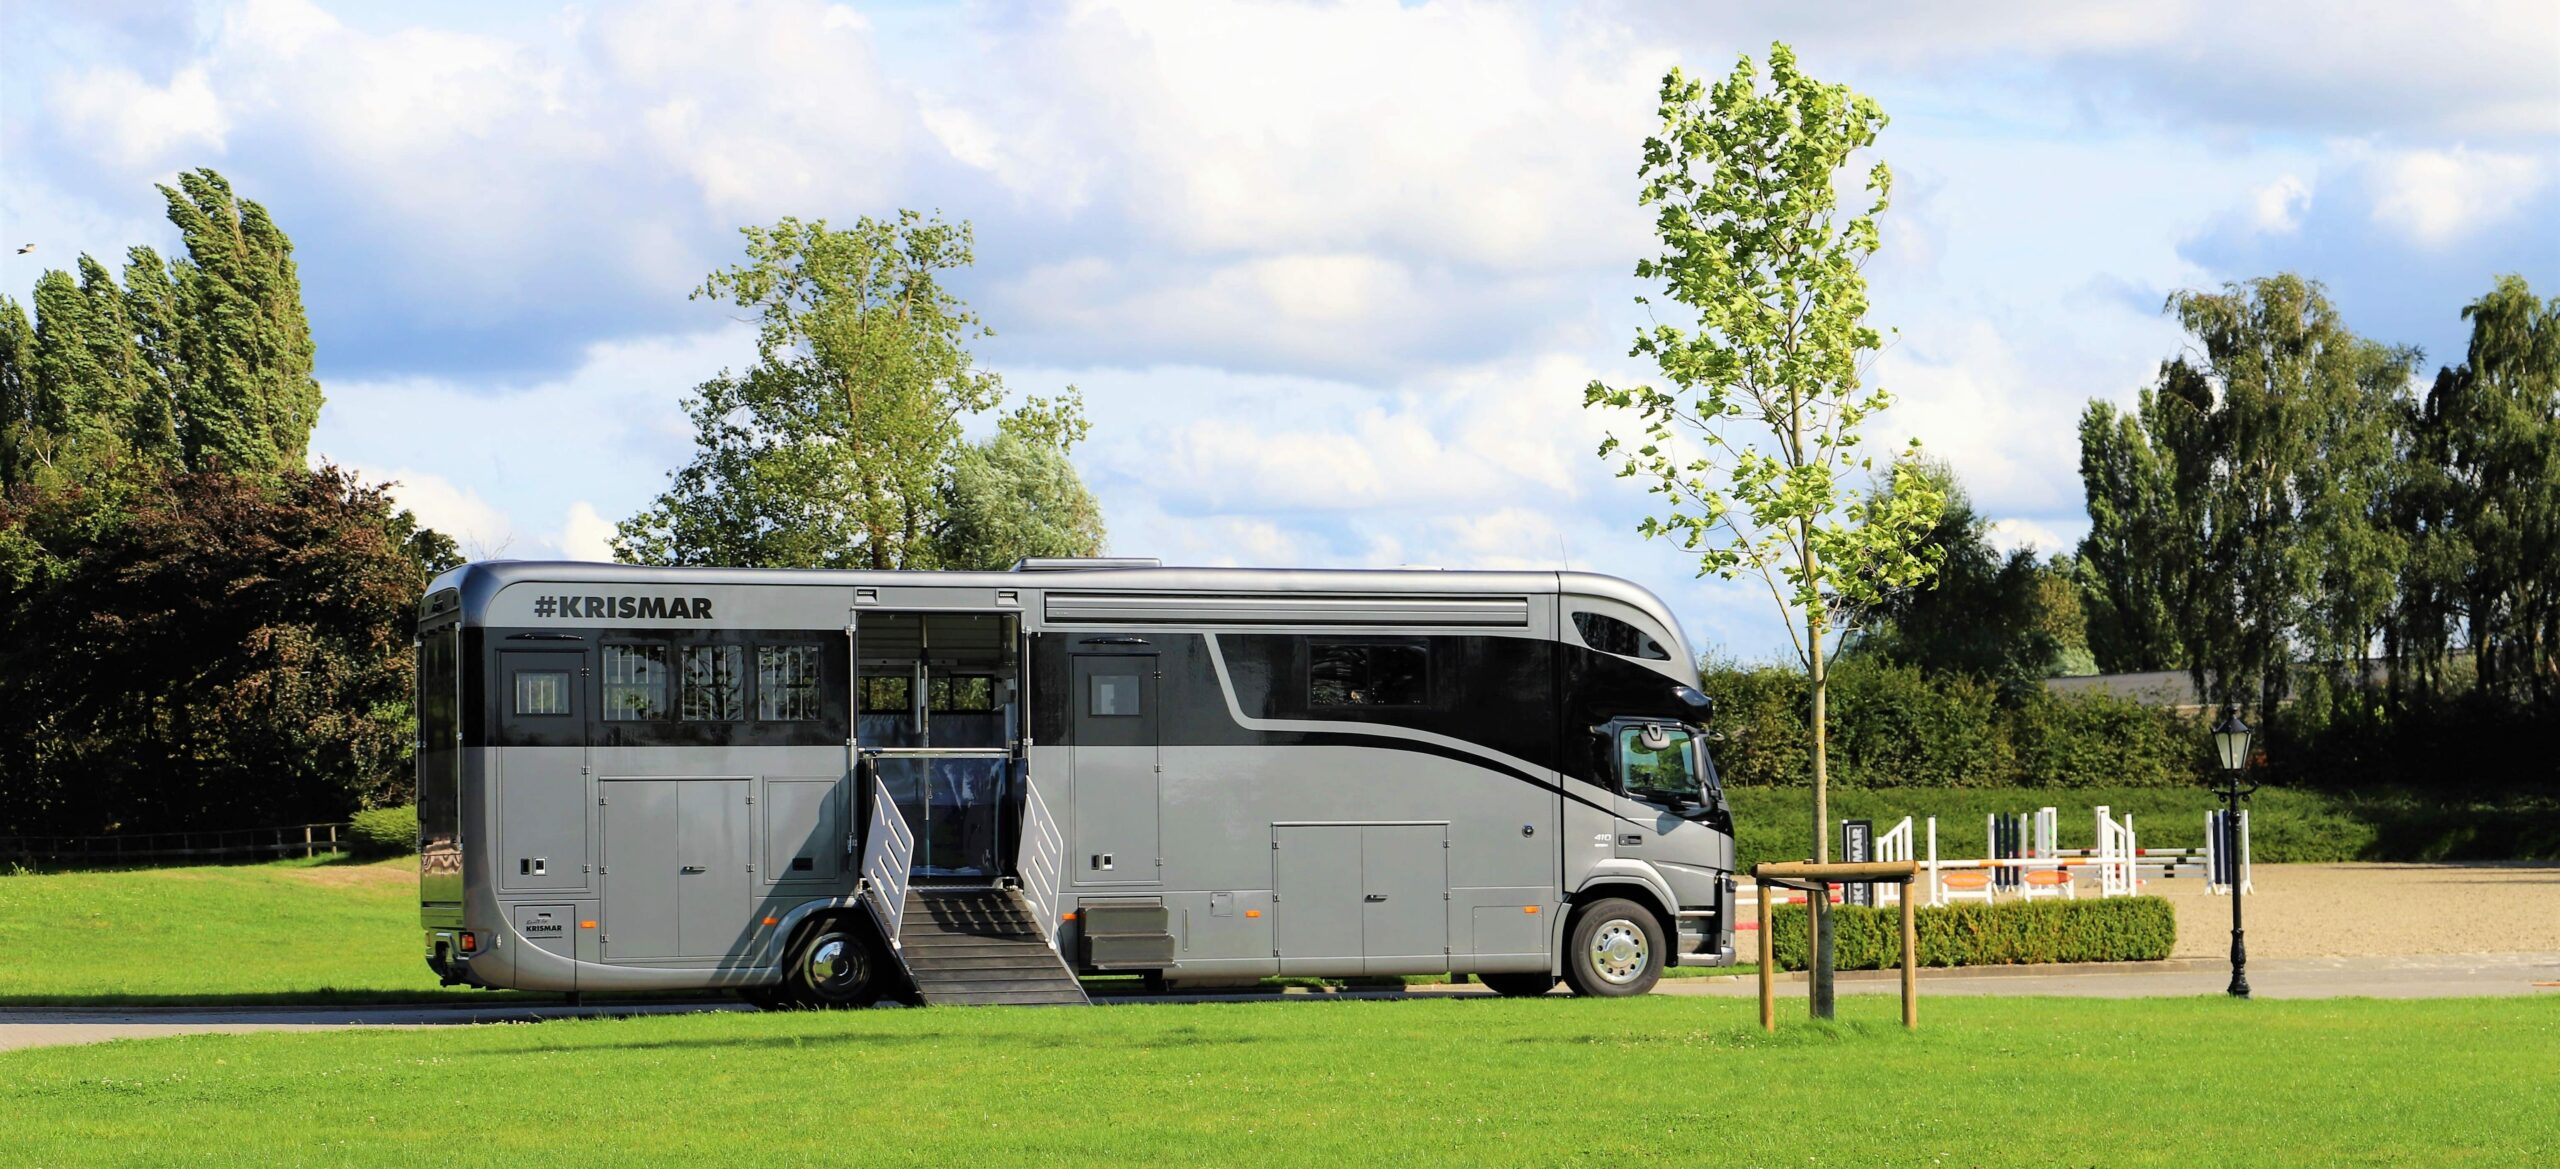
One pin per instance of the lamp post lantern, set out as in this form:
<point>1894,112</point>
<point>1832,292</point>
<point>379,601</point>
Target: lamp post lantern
<point>2231,744</point>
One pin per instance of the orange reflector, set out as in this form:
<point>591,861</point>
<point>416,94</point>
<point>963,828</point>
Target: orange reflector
<point>469,943</point>
<point>1069,915</point>
<point>773,921</point>
<point>586,925</point>
<point>1528,909</point>
<point>1253,913</point>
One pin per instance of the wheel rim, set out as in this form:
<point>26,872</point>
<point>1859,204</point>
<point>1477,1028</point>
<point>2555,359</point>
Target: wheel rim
<point>834,966</point>
<point>1619,951</point>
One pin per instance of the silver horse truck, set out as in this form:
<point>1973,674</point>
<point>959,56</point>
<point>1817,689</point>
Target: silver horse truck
<point>818,788</point>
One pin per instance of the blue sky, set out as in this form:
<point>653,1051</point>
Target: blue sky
<point>1331,276</point>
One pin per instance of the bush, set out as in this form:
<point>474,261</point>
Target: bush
<point>1894,726</point>
<point>381,832</point>
<point>2007,933</point>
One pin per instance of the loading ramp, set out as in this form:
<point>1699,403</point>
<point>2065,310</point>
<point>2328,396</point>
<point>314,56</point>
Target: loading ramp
<point>980,947</point>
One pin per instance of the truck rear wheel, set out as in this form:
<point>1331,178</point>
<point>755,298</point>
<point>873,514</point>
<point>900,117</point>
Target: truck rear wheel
<point>836,965</point>
<point>1516,985</point>
<point>1615,951</point>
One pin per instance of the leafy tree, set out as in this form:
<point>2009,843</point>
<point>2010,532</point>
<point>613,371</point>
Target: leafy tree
<point>203,649</point>
<point>1015,496</point>
<point>2279,449</point>
<point>2481,503</point>
<point>2131,578</point>
<point>249,398</point>
<point>1754,446</point>
<point>198,365</point>
<point>837,447</point>
<point>2004,619</point>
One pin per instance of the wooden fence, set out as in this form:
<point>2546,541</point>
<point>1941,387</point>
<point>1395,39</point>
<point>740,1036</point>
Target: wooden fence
<point>143,847</point>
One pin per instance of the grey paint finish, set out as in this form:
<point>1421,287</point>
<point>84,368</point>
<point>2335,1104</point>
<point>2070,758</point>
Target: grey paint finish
<point>1113,830</point>
<point>1404,898</point>
<point>676,867</point>
<point>1316,887</point>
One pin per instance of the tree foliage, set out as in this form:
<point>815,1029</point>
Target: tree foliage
<point>203,649</point>
<point>836,448</point>
<point>198,364</point>
<point>2480,502</point>
<point>2260,477</point>
<point>1015,496</point>
<point>2009,620</point>
<point>1755,447</point>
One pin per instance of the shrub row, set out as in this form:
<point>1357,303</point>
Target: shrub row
<point>381,832</point>
<point>1893,726</point>
<point>2008,933</point>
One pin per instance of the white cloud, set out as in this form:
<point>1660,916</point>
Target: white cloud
<point>136,124</point>
<point>2436,196</point>
<point>586,534</point>
<point>480,528</point>
<point>2009,535</point>
<point>2280,204</point>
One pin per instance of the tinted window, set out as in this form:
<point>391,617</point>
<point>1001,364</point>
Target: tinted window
<point>1610,635</point>
<point>1114,696</point>
<point>635,683</point>
<point>1362,673</point>
<point>714,683</point>
<point>960,693</point>
<point>884,693</point>
<point>787,682</point>
<point>542,692</point>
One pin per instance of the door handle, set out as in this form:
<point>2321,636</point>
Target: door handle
<point>1375,897</point>
<point>694,869</point>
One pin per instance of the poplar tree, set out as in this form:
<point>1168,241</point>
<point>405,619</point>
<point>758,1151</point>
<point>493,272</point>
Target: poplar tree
<point>250,400</point>
<point>1756,447</point>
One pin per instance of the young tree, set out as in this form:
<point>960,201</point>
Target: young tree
<point>1756,447</point>
<point>250,399</point>
<point>835,448</point>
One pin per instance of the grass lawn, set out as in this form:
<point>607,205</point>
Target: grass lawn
<point>1664,1080</point>
<point>297,930</point>
<point>286,931</point>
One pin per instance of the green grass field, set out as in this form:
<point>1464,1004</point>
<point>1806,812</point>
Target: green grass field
<point>299,930</point>
<point>1662,1080</point>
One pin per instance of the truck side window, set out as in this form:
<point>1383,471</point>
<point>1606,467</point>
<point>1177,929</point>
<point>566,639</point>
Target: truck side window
<point>714,684</point>
<point>1669,770</point>
<point>787,683</point>
<point>635,683</point>
<point>1114,696</point>
<point>1367,673</point>
<point>1610,635</point>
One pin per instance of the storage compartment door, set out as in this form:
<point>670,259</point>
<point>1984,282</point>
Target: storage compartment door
<point>1316,906</point>
<point>640,863</point>
<point>1114,765</point>
<point>714,890</point>
<point>1404,898</point>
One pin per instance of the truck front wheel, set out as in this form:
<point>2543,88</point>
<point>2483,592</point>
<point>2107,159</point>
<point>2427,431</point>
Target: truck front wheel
<point>1615,950</point>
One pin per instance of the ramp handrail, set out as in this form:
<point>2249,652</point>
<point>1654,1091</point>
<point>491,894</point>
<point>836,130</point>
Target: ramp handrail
<point>1042,859</point>
<point>888,851</point>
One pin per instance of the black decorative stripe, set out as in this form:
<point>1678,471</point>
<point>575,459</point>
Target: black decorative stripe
<point>1390,743</point>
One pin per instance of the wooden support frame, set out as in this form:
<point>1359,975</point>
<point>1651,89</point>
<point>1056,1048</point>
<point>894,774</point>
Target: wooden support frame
<point>1817,880</point>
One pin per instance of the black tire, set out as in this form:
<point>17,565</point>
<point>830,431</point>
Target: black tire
<point>1614,950</point>
<point>1516,985</point>
<point>838,964</point>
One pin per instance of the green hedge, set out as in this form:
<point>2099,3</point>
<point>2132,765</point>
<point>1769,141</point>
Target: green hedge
<point>381,832</point>
<point>2007,933</point>
<point>1893,726</point>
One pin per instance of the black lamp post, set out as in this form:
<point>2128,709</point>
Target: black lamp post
<point>2231,743</point>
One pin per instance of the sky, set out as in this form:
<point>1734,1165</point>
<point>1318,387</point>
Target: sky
<point>1331,277</point>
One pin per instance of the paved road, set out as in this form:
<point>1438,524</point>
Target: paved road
<point>2428,976</point>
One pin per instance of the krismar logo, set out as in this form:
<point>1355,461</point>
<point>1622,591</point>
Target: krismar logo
<point>624,608</point>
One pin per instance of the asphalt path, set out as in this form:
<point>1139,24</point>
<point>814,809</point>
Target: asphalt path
<point>2413,976</point>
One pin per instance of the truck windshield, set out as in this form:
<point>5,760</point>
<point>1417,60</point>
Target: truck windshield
<point>1659,760</point>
